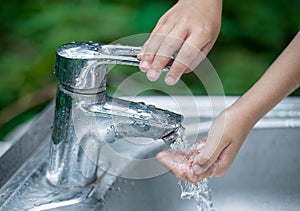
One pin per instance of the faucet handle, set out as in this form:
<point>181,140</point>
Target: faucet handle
<point>124,54</point>
<point>104,53</point>
<point>82,65</point>
<point>120,50</point>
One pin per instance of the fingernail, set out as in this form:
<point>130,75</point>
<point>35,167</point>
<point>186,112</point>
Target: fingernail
<point>152,75</point>
<point>140,55</point>
<point>197,169</point>
<point>144,65</point>
<point>170,80</point>
<point>160,155</point>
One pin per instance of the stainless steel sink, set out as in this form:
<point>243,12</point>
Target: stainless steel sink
<point>264,176</point>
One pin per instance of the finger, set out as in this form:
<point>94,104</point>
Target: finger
<point>175,162</point>
<point>181,64</point>
<point>176,71</point>
<point>167,155</point>
<point>218,168</point>
<point>222,163</point>
<point>168,47</point>
<point>210,172</point>
<point>148,51</point>
<point>149,54</point>
<point>202,55</point>
<point>215,141</point>
<point>197,150</point>
<point>215,169</point>
<point>151,46</point>
<point>184,60</point>
<point>199,169</point>
<point>206,48</point>
<point>207,174</point>
<point>157,30</point>
<point>199,58</point>
<point>225,159</point>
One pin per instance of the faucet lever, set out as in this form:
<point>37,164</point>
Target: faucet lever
<point>124,54</point>
<point>118,49</point>
<point>83,65</point>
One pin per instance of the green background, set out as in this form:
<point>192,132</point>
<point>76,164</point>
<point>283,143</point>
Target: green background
<point>253,34</point>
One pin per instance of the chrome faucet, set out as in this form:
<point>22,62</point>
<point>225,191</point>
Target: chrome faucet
<point>85,116</point>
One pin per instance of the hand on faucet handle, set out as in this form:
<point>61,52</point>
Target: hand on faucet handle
<point>187,28</point>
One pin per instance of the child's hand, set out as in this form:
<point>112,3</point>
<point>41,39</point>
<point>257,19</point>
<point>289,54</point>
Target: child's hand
<point>191,26</point>
<point>223,142</point>
<point>180,163</point>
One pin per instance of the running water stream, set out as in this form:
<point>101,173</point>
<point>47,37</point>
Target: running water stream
<point>200,192</point>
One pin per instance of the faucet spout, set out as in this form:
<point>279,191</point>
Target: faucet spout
<point>85,116</point>
<point>136,119</point>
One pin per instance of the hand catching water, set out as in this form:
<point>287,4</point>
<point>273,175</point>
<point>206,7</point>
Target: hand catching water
<point>213,155</point>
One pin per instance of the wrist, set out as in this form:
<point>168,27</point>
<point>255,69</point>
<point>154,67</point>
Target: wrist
<point>242,115</point>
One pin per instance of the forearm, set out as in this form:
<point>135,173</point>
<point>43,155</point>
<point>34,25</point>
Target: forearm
<point>281,78</point>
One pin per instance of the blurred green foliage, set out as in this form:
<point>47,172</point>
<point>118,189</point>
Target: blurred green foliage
<point>31,31</point>
<point>253,34</point>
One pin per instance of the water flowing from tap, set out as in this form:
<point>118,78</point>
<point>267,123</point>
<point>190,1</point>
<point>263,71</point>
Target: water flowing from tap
<point>200,192</point>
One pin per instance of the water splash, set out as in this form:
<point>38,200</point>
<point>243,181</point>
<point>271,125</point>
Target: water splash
<point>200,192</point>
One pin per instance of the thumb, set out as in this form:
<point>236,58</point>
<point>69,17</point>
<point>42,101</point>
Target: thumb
<point>214,139</point>
<point>212,149</point>
<point>205,159</point>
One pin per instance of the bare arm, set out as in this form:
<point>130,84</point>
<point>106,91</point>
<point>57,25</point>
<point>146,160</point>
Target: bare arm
<point>231,127</point>
<point>281,78</point>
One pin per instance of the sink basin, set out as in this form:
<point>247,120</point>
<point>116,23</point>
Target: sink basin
<point>264,175</point>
